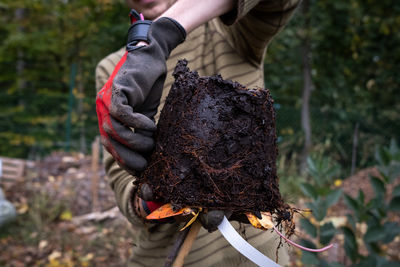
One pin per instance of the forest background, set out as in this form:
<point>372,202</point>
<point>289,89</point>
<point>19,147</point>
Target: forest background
<point>333,73</point>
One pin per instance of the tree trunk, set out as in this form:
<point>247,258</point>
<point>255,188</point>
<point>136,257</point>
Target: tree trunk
<point>20,66</point>
<point>354,150</point>
<point>307,88</point>
<point>81,115</point>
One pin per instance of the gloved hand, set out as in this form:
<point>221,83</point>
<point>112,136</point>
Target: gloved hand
<point>146,193</point>
<point>131,96</point>
<point>211,219</point>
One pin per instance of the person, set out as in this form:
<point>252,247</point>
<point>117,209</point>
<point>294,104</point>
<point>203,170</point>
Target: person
<point>227,37</point>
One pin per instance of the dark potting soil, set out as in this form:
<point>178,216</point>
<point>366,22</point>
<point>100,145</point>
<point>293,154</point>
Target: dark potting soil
<point>215,146</point>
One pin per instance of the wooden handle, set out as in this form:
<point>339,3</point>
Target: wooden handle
<point>187,244</point>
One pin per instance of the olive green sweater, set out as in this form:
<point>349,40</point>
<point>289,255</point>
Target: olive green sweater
<point>234,46</point>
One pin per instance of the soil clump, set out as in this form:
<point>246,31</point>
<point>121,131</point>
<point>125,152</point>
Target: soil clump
<point>216,147</point>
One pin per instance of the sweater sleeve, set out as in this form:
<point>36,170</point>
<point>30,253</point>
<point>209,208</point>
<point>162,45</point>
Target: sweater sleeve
<point>120,181</point>
<point>252,25</point>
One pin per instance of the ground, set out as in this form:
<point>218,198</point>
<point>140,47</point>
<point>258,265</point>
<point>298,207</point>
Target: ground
<point>52,230</point>
<point>49,198</point>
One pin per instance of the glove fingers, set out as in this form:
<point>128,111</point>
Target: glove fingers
<point>144,132</point>
<point>211,219</point>
<point>135,140</point>
<point>146,193</point>
<point>128,158</point>
<point>132,119</point>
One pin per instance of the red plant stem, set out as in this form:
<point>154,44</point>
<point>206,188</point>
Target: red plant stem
<point>300,246</point>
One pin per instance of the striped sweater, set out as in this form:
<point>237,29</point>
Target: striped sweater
<point>234,46</point>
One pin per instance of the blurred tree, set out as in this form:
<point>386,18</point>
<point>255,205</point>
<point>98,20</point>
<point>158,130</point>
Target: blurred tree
<point>355,49</point>
<point>39,41</point>
<point>355,58</point>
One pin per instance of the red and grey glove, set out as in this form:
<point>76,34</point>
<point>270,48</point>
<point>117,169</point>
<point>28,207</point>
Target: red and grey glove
<point>131,96</point>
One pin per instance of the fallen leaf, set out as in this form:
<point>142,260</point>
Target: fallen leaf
<point>43,244</point>
<point>23,208</point>
<point>66,215</point>
<point>89,256</point>
<point>53,263</point>
<point>54,255</point>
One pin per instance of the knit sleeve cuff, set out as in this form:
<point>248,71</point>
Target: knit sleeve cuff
<point>240,10</point>
<point>130,212</point>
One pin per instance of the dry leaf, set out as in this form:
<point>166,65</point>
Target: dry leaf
<point>66,215</point>
<point>43,244</point>
<point>23,208</point>
<point>54,255</point>
<point>266,220</point>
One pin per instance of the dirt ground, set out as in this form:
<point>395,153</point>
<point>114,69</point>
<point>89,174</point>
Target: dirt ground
<point>52,228</point>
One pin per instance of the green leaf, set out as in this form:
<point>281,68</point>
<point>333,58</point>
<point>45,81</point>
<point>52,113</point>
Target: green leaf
<point>309,190</point>
<point>309,258</point>
<point>396,191</point>
<point>327,231</point>
<point>369,261</point>
<point>360,198</point>
<point>335,264</point>
<point>350,244</point>
<point>311,165</point>
<point>374,234</point>
<point>319,209</point>
<point>393,148</point>
<point>386,263</point>
<point>350,220</point>
<point>379,187</point>
<point>394,204</point>
<point>392,230</point>
<point>382,155</point>
<point>307,243</point>
<point>333,197</point>
<point>308,227</point>
<point>351,202</point>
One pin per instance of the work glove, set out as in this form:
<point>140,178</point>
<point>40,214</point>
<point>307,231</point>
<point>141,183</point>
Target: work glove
<point>211,219</point>
<point>131,96</point>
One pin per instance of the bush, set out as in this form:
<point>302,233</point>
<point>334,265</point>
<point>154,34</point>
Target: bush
<point>375,215</point>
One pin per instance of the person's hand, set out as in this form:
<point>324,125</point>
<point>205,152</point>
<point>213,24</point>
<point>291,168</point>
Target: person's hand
<point>131,96</point>
<point>212,218</point>
<point>144,201</point>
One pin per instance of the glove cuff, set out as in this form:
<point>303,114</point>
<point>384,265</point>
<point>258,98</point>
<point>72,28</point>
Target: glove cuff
<point>137,32</point>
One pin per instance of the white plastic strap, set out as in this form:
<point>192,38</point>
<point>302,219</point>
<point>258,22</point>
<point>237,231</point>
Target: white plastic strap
<point>243,247</point>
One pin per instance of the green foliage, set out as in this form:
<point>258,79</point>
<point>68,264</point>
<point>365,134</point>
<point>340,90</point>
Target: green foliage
<point>354,58</point>
<point>323,195</point>
<point>290,180</point>
<point>374,214</point>
<point>37,50</point>
<point>380,230</point>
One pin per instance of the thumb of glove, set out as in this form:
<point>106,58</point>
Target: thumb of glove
<point>146,193</point>
<point>213,218</point>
